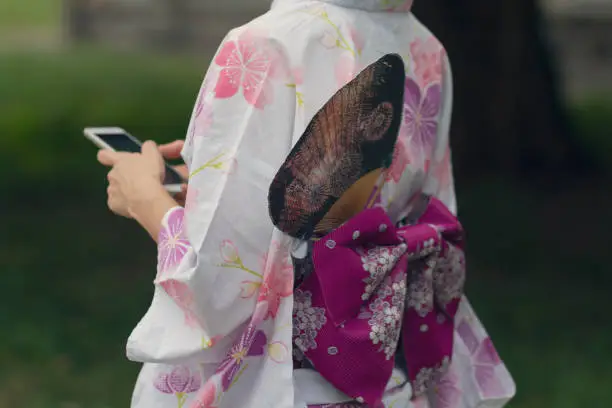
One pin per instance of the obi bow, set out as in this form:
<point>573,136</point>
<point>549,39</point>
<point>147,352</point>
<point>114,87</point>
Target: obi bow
<point>374,285</point>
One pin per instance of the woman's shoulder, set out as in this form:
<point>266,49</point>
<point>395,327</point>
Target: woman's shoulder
<point>286,26</point>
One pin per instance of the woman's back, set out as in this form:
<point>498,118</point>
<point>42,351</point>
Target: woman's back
<point>322,45</point>
<point>223,306</point>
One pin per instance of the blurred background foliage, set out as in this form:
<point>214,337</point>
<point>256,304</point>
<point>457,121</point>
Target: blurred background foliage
<point>75,279</point>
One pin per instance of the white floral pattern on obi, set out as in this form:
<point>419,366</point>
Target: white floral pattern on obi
<point>378,261</point>
<point>421,291</point>
<point>428,373</point>
<point>385,314</point>
<point>449,277</point>
<point>307,320</point>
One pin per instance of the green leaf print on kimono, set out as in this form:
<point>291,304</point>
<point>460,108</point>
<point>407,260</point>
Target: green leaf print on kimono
<point>276,282</point>
<point>215,163</point>
<point>298,78</point>
<point>231,258</point>
<point>334,38</point>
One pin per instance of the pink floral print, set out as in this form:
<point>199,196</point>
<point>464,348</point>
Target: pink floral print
<point>205,89</point>
<point>328,39</point>
<point>252,343</point>
<point>203,113</point>
<point>428,56</point>
<point>298,75</point>
<point>484,359</point>
<point>191,199</point>
<point>420,402</point>
<point>180,382</point>
<point>249,288</point>
<point>333,37</point>
<point>172,241</point>
<point>357,39</point>
<point>204,118</point>
<point>250,64</point>
<point>447,392</point>
<point>207,396</point>
<point>346,69</point>
<point>229,252</point>
<point>399,163</point>
<point>182,295</point>
<point>278,351</point>
<point>231,258</point>
<point>444,171</point>
<point>278,280</point>
<point>298,78</point>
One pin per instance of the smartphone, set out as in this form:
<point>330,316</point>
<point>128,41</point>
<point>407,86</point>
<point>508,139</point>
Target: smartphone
<point>117,139</point>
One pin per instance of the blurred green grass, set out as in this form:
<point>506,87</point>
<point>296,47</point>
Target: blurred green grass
<point>71,293</point>
<point>48,98</point>
<point>30,14</point>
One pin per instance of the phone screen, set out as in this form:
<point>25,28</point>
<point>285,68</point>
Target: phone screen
<point>123,143</point>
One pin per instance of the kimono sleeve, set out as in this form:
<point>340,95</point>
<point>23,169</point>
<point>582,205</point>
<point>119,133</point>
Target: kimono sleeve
<point>441,183</point>
<point>212,253</point>
<point>422,158</point>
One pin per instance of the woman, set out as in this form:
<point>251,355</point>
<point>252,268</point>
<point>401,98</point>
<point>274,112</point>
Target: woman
<point>224,323</point>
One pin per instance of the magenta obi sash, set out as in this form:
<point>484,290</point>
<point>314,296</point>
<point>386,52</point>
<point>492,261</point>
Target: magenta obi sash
<point>373,285</point>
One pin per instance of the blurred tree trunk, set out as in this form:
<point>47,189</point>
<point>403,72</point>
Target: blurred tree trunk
<point>77,17</point>
<point>179,23</point>
<point>174,22</point>
<point>509,117</point>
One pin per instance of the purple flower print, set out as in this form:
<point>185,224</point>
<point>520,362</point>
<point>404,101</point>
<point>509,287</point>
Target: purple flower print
<point>484,359</point>
<point>421,110</point>
<point>251,343</point>
<point>180,382</point>
<point>173,243</point>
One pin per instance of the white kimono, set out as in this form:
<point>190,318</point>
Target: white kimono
<point>221,261</point>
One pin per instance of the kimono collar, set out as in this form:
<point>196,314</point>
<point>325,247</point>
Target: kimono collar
<point>400,6</point>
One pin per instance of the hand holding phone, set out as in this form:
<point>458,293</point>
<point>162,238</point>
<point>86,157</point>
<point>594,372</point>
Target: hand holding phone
<point>117,139</point>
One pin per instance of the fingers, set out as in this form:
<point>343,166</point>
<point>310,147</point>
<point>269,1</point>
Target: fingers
<point>110,177</point>
<point>109,157</point>
<point>172,150</point>
<point>149,147</point>
<point>111,201</point>
<point>151,153</point>
<point>182,196</point>
<point>116,202</point>
<point>182,170</point>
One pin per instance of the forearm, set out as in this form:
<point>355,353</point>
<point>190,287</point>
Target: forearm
<point>149,210</point>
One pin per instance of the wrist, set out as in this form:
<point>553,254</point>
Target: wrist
<point>147,193</point>
<point>149,208</point>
